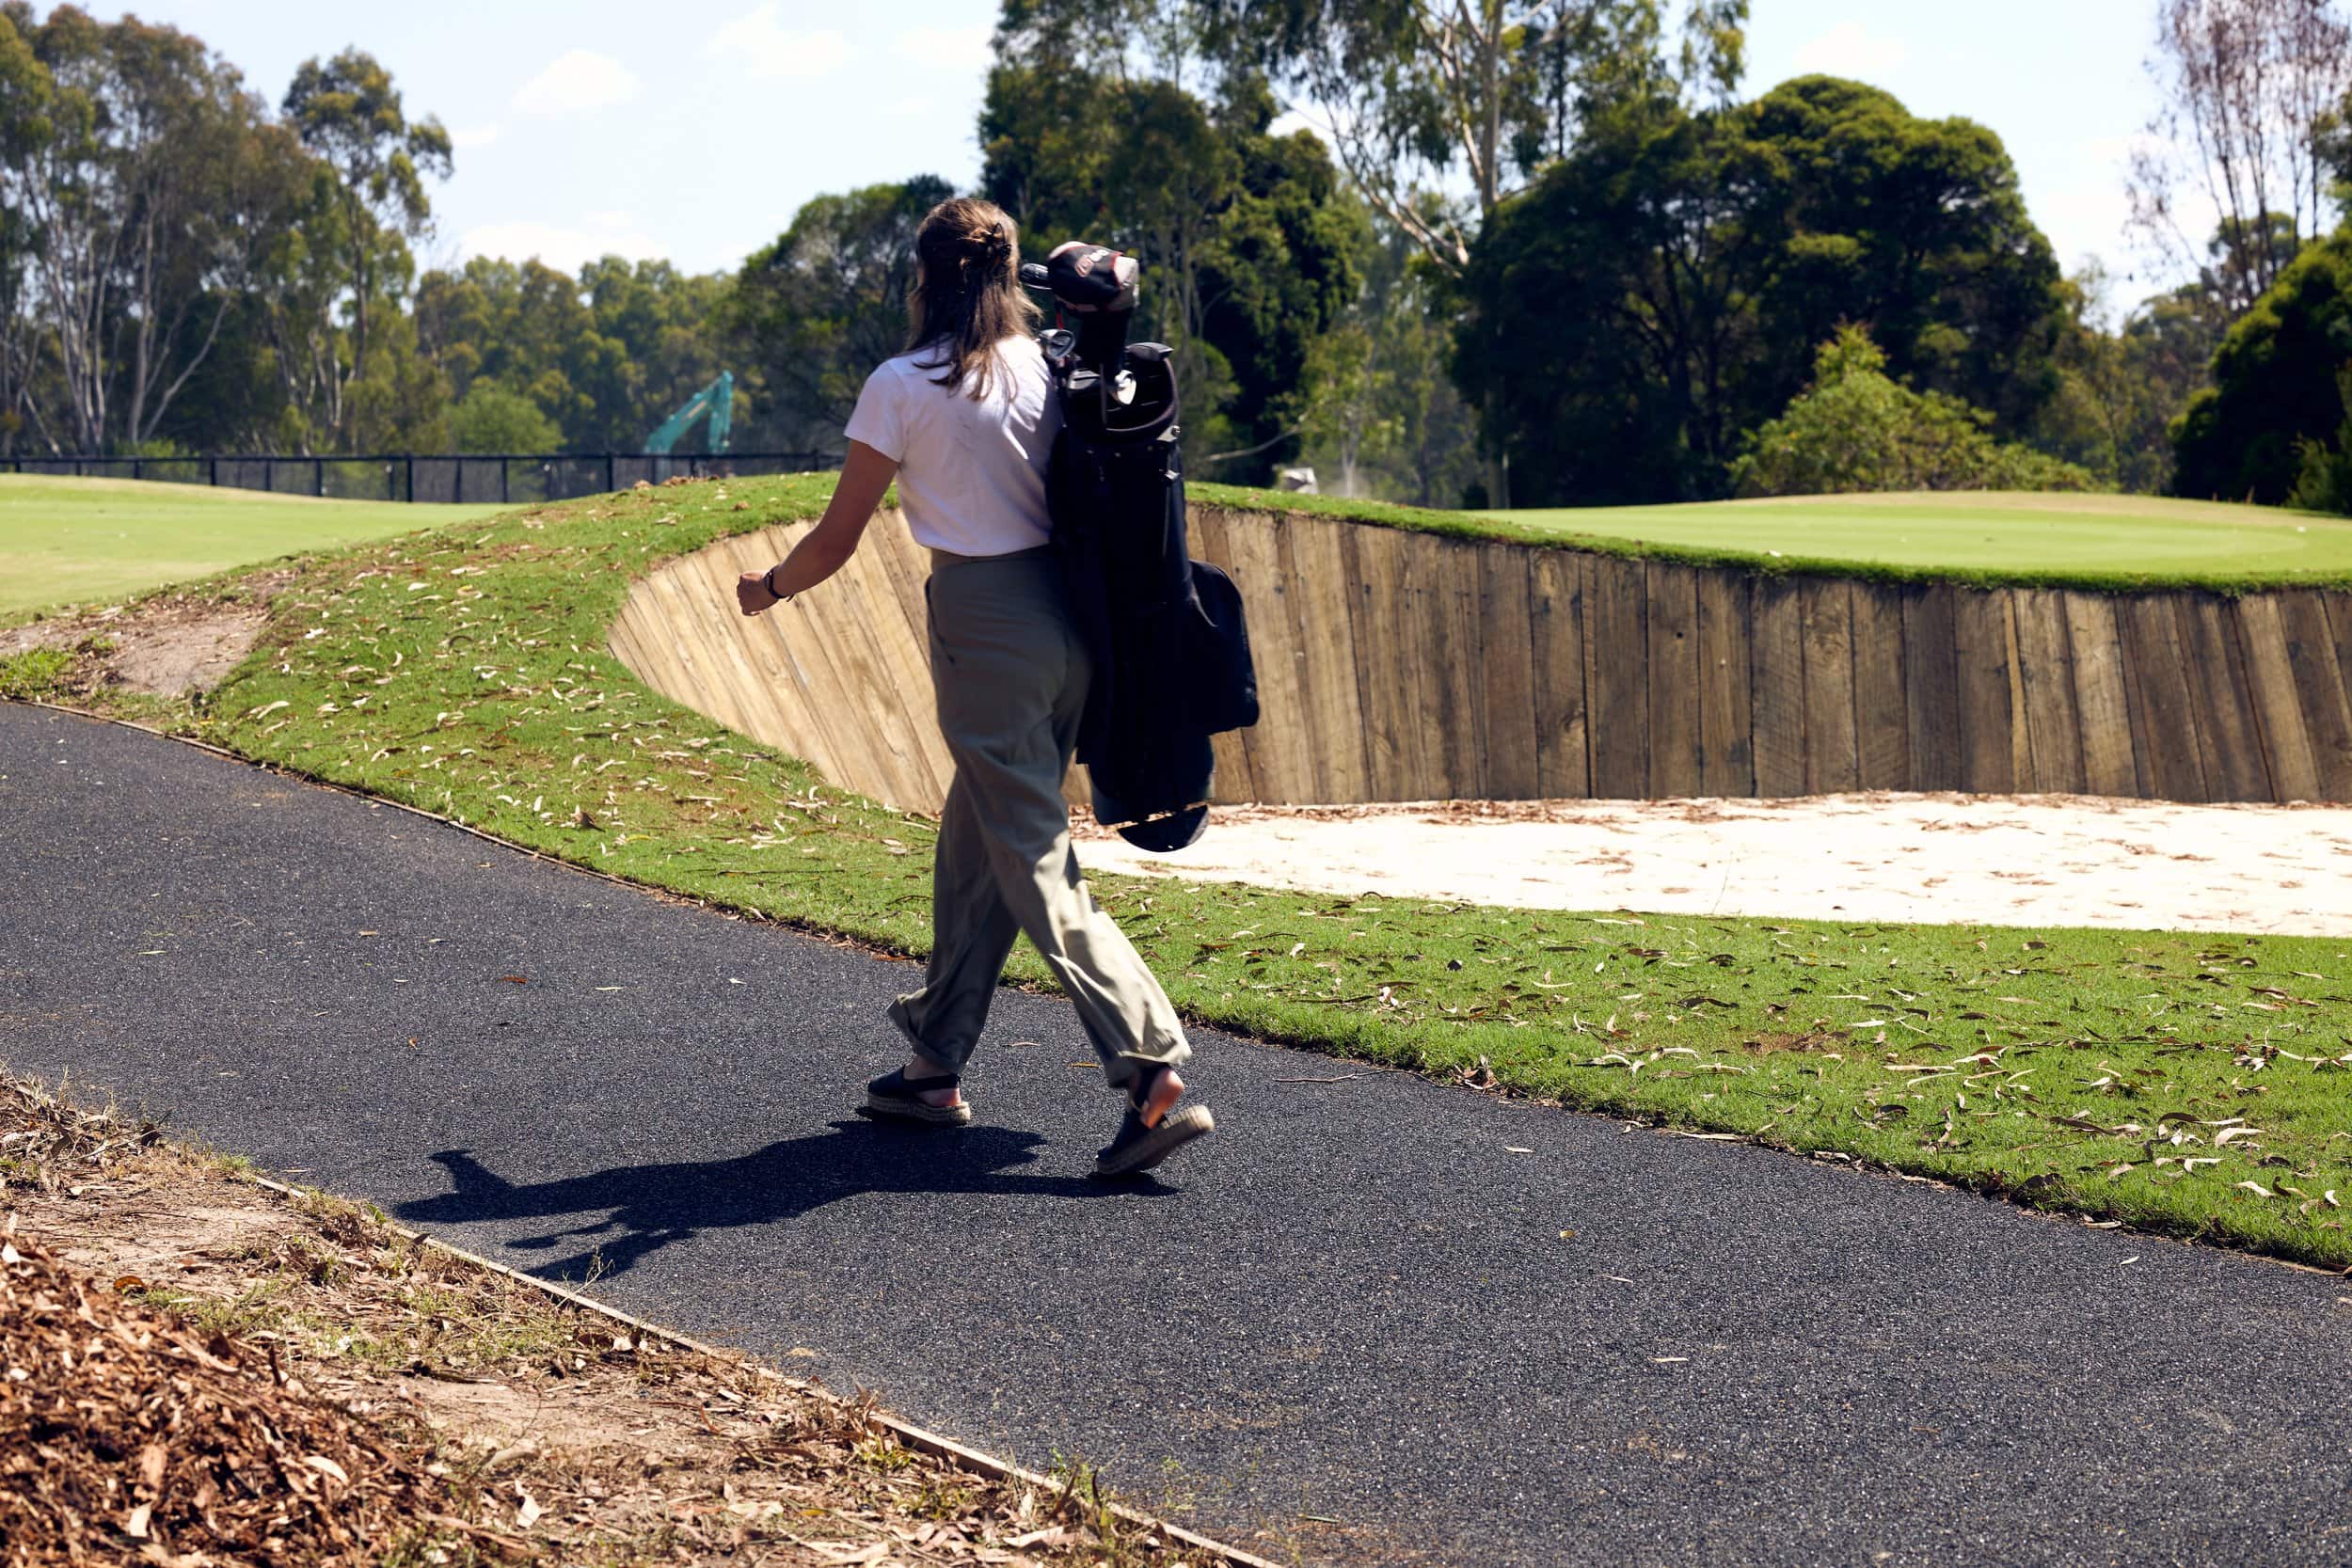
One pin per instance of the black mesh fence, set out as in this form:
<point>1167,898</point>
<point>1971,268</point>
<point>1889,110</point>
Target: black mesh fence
<point>514,479</point>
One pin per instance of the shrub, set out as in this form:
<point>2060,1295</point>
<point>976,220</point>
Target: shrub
<point>489,418</point>
<point>2324,483</point>
<point>1856,428</point>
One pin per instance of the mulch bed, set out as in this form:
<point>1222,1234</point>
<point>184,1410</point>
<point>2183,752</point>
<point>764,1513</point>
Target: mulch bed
<point>121,1437</point>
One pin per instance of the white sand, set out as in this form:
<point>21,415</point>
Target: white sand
<point>2049,860</point>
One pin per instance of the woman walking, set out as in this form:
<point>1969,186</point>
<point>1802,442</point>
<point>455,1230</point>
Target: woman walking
<point>965,419</point>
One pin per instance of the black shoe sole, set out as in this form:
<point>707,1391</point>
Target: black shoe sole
<point>886,1108</point>
<point>1174,1132</point>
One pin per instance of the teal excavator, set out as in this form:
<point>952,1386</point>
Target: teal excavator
<point>715,400</point>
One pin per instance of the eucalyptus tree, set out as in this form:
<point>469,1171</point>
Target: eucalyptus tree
<point>138,202</point>
<point>347,111</point>
<point>1470,98</point>
<point>2252,91</point>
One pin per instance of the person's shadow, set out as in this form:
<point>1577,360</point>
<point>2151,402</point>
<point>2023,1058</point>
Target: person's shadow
<point>632,1211</point>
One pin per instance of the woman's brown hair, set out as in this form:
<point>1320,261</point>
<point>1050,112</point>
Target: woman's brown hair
<point>967,297</point>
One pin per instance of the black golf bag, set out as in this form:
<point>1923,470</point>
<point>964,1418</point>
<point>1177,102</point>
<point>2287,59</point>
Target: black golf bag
<point>1166,634</point>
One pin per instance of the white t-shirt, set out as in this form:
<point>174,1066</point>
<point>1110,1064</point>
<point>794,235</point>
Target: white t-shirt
<point>971,473</point>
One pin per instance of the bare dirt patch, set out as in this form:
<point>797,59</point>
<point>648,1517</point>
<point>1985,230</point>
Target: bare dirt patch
<point>199,1370</point>
<point>168,644</point>
<point>2032,860</point>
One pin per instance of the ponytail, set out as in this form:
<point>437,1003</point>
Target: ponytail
<point>967,297</point>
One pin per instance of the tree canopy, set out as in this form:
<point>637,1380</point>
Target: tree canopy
<point>2274,383</point>
<point>1658,291</point>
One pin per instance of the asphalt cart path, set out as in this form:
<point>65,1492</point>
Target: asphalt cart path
<point>1352,1318</point>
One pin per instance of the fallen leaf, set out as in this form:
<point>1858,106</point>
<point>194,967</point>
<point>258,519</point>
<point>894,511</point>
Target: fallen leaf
<point>124,1283</point>
<point>514,979</point>
<point>527,1508</point>
<point>136,1526</point>
<point>326,1467</point>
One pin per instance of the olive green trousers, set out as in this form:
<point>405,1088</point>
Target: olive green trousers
<point>1010,675</point>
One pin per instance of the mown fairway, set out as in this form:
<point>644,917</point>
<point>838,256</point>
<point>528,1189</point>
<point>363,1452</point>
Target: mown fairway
<point>66,541</point>
<point>2003,533</point>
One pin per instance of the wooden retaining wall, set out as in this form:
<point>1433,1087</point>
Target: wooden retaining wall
<point>1400,665</point>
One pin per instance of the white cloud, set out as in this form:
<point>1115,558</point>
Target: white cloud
<point>476,135</point>
<point>759,41</point>
<point>1849,50</point>
<point>561,247</point>
<point>948,48</point>
<point>576,83</point>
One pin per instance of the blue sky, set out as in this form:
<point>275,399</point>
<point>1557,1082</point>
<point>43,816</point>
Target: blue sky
<point>694,129</point>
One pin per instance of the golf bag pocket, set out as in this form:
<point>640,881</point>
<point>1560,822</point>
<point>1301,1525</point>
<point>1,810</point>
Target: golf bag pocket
<point>1215,640</point>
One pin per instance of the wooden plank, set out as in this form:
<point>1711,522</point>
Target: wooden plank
<point>1319,572</point>
<point>899,702</point>
<point>2164,723</point>
<point>2045,667</point>
<point>820,640</point>
<point>2102,703</point>
<point>1506,665</point>
<point>1391,698</point>
<point>1281,744</point>
<point>1671,623</point>
<point>1615,598</point>
<point>1208,538</point>
<point>1556,618</point>
<point>1881,728</point>
<point>2320,685</point>
<point>906,567</point>
<point>1931,686</point>
<point>1833,757</point>
<point>1444,582</point>
<point>2278,705</point>
<point>1988,719</point>
<point>1727,721</point>
<point>721,681</point>
<point>2339,631</point>
<point>1778,693</point>
<point>2229,745</point>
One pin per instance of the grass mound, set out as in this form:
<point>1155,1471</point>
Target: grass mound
<point>2193,1084</point>
<point>73,540</point>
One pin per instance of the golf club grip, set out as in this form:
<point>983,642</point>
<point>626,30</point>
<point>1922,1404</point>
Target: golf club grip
<point>1034,276</point>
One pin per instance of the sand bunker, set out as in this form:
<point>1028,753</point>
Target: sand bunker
<point>2037,860</point>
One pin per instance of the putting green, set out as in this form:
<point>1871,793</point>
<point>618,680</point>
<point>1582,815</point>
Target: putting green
<point>2000,533</point>
<point>66,541</point>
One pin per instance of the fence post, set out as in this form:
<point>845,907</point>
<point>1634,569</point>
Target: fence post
<point>318,476</point>
<point>503,467</point>
<point>412,477</point>
<point>610,483</point>
<point>138,467</point>
<point>212,473</point>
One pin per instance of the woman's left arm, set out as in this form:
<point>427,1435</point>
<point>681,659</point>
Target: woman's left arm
<point>866,475</point>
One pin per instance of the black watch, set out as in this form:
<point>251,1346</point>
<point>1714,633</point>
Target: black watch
<point>768,580</point>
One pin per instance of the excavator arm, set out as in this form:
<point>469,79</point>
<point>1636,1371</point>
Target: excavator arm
<point>715,400</point>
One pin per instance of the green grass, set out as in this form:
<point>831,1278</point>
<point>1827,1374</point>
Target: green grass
<point>67,541</point>
<point>2029,536</point>
<point>2104,542</point>
<point>2194,1083</point>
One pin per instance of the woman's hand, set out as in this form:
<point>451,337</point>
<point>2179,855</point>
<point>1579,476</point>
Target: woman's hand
<point>753,593</point>
<point>866,476</point>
